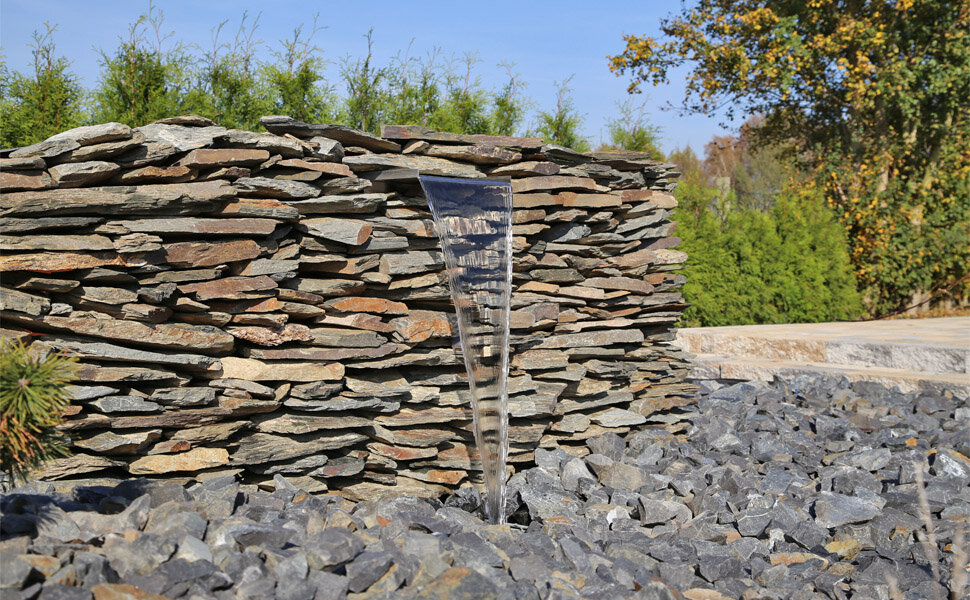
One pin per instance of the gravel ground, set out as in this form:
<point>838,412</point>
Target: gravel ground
<point>807,488</point>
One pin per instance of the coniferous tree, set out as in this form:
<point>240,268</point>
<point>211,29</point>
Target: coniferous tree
<point>229,89</point>
<point>509,109</point>
<point>367,96</point>
<point>632,131</point>
<point>415,90</point>
<point>465,109</point>
<point>296,80</point>
<point>33,108</point>
<point>141,82</point>
<point>561,126</point>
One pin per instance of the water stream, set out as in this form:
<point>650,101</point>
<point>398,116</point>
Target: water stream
<point>473,218</point>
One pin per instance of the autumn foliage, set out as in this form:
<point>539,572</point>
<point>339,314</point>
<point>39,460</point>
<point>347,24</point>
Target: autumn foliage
<point>873,97</point>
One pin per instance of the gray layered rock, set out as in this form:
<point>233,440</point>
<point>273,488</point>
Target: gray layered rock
<point>237,297</point>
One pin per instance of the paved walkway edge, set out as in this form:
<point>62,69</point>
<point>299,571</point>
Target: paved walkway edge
<point>910,354</point>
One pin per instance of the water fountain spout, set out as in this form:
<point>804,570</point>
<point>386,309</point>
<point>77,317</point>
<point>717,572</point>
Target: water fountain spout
<point>473,219</point>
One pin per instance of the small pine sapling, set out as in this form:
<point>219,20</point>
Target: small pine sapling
<point>33,397</point>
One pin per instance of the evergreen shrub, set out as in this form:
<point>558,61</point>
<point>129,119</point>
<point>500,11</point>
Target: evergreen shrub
<point>788,264</point>
<point>33,398</point>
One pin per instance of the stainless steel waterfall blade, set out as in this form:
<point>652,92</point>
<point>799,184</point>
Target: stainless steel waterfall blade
<point>473,218</point>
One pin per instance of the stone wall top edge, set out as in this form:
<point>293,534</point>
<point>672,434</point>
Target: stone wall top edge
<point>393,139</point>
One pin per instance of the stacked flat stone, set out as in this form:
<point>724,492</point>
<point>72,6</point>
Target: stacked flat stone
<point>265,304</point>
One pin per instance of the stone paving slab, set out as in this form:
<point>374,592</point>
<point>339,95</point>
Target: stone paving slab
<point>897,352</point>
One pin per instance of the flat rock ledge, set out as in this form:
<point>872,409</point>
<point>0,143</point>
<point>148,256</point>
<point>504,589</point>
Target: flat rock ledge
<point>804,488</point>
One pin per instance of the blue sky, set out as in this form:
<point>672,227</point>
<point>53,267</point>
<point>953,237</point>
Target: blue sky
<point>547,41</point>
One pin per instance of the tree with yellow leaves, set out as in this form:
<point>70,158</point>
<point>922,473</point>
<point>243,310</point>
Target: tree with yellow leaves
<point>873,96</point>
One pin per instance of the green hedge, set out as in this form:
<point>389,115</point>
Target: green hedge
<point>787,265</point>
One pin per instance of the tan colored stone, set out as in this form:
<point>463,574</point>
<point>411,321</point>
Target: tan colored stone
<point>657,198</point>
<point>173,336</point>
<point>410,416</point>
<point>24,180</point>
<point>209,433</point>
<point>299,296</point>
<point>528,215</point>
<point>230,288</point>
<point>424,164</point>
<point>156,174</point>
<point>435,475</point>
<point>327,168</point>
<point>794,558</point>
<point>658,402</point>
<point>553,182</point>
<point>529,229</point>
<point>355,304</point>
<point>76,464</point>
<point>358,321</point>
<point>527,201</point>
<point>341,265</point>
<point>574,200</point>
<point>298,424</point>
<point>250,369</point>
<point>270,337</point>
<point>175,198</point>
<point>205,254</point>
<point>346,231</point>
<point>540,359</point>
<point>54,262</point>
<point>403,486</point>
<point>259,207</point>
<point>619,283</point>
<point>170,447</point>
<point>649,257</point>
<point>193,460</point>
<point>415,147</point>
<point>538,287</point>
<point>267,305</point>
<point>527,169</point>
<point>324,354</point>
<point>47,565</point>
<point>704,594</point>
<point>847,548</point>
<point>421,437</point>
<point>223,157</point>
<point>421,281</point>
<point>480,154</point>
<point>76,174</point>
<point>200,226</point>
<point>420,325</point>
<point>137,243</point>
<point>399,453</point>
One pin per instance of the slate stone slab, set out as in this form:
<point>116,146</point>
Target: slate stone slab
<point>833,510</point>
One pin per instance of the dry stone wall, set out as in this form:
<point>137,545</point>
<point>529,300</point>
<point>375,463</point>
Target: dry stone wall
<point>275,303</point>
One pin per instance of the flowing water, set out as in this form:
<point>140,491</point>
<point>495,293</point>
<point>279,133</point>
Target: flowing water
<point>473,218</point>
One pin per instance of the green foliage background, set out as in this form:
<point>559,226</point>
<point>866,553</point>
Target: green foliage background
<point>150,76</point>
<point>873,96</point>
<point>782,261</point>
